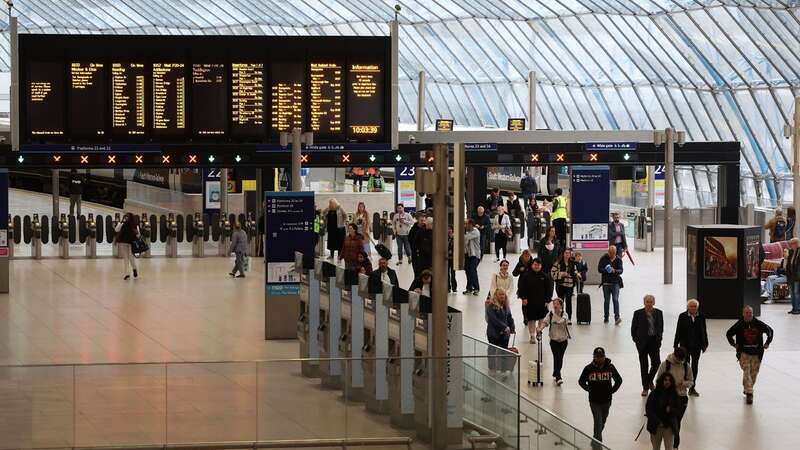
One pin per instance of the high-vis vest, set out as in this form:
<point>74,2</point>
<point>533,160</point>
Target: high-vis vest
<point>561,210</point>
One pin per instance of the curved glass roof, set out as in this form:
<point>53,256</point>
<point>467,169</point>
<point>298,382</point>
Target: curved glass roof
<point>719,69</point>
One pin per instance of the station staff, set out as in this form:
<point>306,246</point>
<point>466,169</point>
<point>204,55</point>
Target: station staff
<point>559,217</point>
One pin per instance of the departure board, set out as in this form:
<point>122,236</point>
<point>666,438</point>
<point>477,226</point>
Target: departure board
<point>169,98</point>
<point>128,98</point>
<point>45,99</point>
<point>325,106</point>
<point>87,98</point>
<point>247,99</point>
<point>364,101</point>
<point>209,99</point>
<point>288,80</point>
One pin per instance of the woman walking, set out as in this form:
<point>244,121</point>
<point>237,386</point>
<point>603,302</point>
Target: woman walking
<point>502,228</point>
<point>549,249</point>
<point>499,327</point>
<point>127,232</point>
<point>361,219</point>
<point>565,276</point>
<point>502,280</point>
<point>559,336</point>
<point>352,246</point>
<point>533,290</point>
<point>335,219</point>
<point>661,410</point>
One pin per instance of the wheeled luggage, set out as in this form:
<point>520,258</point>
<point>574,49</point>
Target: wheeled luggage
<point>584,311</point>
<point>535,366</point>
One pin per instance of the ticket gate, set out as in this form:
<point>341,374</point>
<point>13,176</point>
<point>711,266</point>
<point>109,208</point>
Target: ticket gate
<point>199,231</point>
<point>91,236</point>
<point>10,236</point>
<point>422,386</point>
<point>171,249</point>
<point>225,237</point>
<point>402,320</point>
<point>308,318</point>
<point>36,236</point>
<point>146,229</point>
<point>63,236</point>
<point>643,240</point>
<point>352,340</point>
<point>251,228</point>
<point>330,324</point>
<point>376,350</point>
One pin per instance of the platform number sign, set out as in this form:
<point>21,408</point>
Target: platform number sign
<point>406,192</point>
<point>658,172</point>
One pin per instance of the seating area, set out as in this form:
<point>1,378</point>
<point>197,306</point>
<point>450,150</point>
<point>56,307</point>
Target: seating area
<point>773,279</point>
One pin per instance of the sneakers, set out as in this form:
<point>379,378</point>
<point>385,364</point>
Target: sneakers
<point>749,399</point>
<point>467,292</point>
<point>645,392</point>
<point>399,261</point>
<point>476,292</point>
<point>617,321</point>
<point>409,260</point>
<point>241,275</point>
<point>559,381</point>
<point>127,277</point>
<point>569,322</point>
<point>232,274</point>
<point>605,320</point>
<point>693,392</point>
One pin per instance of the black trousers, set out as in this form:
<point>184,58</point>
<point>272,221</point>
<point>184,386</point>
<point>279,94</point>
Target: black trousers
<point>565,293</point>
<point>500,243</point>
<point>683,402</point>
<point>451,280</point>
<point>649,349</point>
<point>558,349</point>
<point>561,231</point>
<point>694,357</point>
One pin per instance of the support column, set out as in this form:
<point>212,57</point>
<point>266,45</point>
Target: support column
<point>14,97</point>
<point>394,37</point>
<point>297,140</point>
<point>532,101</point>
<point>223,192</point>
<point>796,154</point>
<point>669,181</point>
<point>55,191</point>
<point>728,193</point>
<point>420,120</point>
<point>439,298</point>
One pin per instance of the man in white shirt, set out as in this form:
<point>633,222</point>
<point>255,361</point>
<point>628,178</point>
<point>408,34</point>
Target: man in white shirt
<point>472,248</point>
<point>401,223</point>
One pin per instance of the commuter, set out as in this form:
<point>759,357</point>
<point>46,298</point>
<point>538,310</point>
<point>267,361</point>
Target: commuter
<point>502,230</point>
<point>791,218</point>
<point>352,246</point>
<point>401,224</point>
<point>647,330</point>
<point>422,284</point>
<point>582,269</point>
<point>532,222</point>
<point>749,343</point>
<point>423,246</point>
<point>358,177</point>
<point>777,227</point>
<point>364,265</point>
<point>494,200</point>
<point>616,234</point>
<point>502,280</point>
<point>513,206</point>
<point>472,250</point>
<point>524,263</point>
<point>565,276</point>
<point>596,379</point>
<point>335,221</point>
<point>362,220</point>
<point>679,368</point>
<point>376,182</point>
<point>610,268</point>
<point>661,411</point>
<point>239,247</point>
<point>127,232</point>
<point>452,284</point>
<point>260,228</point>
<point>549,249</point>
<point>412,234</point>
<point>533,289</point>
<point>499,327</point>
<point>791,261</point>
<point>527,185</point>
<point>779,277</point>
<point>383,274</point>
<point>559,217</point>
<point>484,225</point>
<point>690,333</point>
<point>559,336</point>
<point>75,192</point>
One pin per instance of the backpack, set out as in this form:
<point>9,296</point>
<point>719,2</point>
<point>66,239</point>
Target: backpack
<point>685,368</point>
<point>780,228</point>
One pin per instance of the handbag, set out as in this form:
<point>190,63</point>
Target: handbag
<point>139,246</point>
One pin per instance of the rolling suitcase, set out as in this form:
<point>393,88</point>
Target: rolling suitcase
<point>584,309</point>
<point>383,251</point>
<point>535,366</point>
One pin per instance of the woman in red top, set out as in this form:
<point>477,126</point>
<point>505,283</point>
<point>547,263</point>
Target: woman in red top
<point>352,246</point>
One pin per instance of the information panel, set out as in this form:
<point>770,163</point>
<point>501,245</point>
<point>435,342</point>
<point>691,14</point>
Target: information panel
<point>45,99</point>
<point>209,99</point>
<point>326,98</point>
<point>128,98</point>
<point>169,98</point>
<point>287,86</point>
<point>590,206</point>
<point>365,101</point>
<point>247,109</point>
<point>87,98</point>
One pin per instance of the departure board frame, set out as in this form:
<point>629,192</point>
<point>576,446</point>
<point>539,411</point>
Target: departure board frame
<point>190,50</point>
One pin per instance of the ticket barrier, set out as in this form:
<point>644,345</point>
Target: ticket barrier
<point>63,237</point>
<point>330,327</point>
<point>376,349</point>
<point>10,236</point>
<point>351,341</point>
<point>402,320</point>
<point>171,249</point>
<point>91,236</point>
<point>198,243</point>
<point>422,388</point>
<point>114,247</point>
<point>36,237</point>
<point>146,229</point>
<point>308,318</point>
<point>252,234</point>
<point>643,240</point>
<point>225,237</point>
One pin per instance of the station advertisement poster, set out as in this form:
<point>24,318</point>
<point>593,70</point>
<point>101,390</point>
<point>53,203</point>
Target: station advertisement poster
<point>720,256</point>
<point>691,253</point>
<point>405,187</point>
<point>289,228</point>
<point>752,249</point>
<point>590,206</point>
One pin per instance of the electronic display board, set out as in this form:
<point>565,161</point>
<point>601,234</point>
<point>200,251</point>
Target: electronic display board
<point>169,98</point>
<point>45,98</point>
<point>516,125</point>
<point>87,98</point>
<point>209,99</point>
<point>128,98</point>
<point>364,100</point>
<point>325,92</point>
<point>247,97</point>
<point>287,81</point>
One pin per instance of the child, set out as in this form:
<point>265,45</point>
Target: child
<point>582,269</point>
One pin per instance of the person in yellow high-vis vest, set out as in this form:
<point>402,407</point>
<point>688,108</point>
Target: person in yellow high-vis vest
<point>559,217</point>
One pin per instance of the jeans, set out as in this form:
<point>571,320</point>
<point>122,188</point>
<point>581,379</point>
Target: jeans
<point>599,415</point>
<point>558,349</point>
<point>403,244</point>
<point>239,264</point>
<point>649,349</point>
<point>794,290</point>
<point>662,434</point>
<point>565,294</point>
<point>611,291</point>
<point>620,249</point>
<point>772,280</point>
<point>74,200</point>
<point>472,273</point>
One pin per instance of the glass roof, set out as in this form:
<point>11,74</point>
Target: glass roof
<point>719,69</point>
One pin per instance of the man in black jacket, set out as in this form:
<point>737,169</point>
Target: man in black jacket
<point>533,289</point>
<point>610,268</point>
<point>484,224</point>
<point>527,185</point>
<point>647,329</point>
<point>384,274</point>
<point>75,192</point>
<point>422,246</point>
<point>791,261</point>
<point>412,234</point>
<point>691,334</point>
<point>596,379</point>
<point>749,343</point>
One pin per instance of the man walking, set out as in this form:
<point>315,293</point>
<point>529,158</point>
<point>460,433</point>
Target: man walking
<point>610,268</point>
<point>484,226</point>
<point>647,329</point>
<point>596,379</point>
<point>472,248</point>
<point>616,234</point>
<point>401,224</point>
<point>691,334</point>
<point>747,336</point>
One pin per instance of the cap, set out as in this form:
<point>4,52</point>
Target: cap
<point>599,351</point>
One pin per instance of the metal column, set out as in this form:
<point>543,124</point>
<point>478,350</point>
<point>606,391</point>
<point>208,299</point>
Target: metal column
<point>13,95</point>
<point>531,100</point>
<point>55,191</point>
<point>796,154</point>
<point>439,297</point>
<point>394,32</point>
<point>297,183</point>
<point>223,192</point>
<point>669,181</point>
<point>420,121</point>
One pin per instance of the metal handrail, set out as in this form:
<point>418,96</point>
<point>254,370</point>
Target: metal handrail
<point>286,443</point>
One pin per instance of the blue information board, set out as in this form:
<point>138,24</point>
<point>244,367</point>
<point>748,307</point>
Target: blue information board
<point>590,206</point>
<point>289,227</point>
